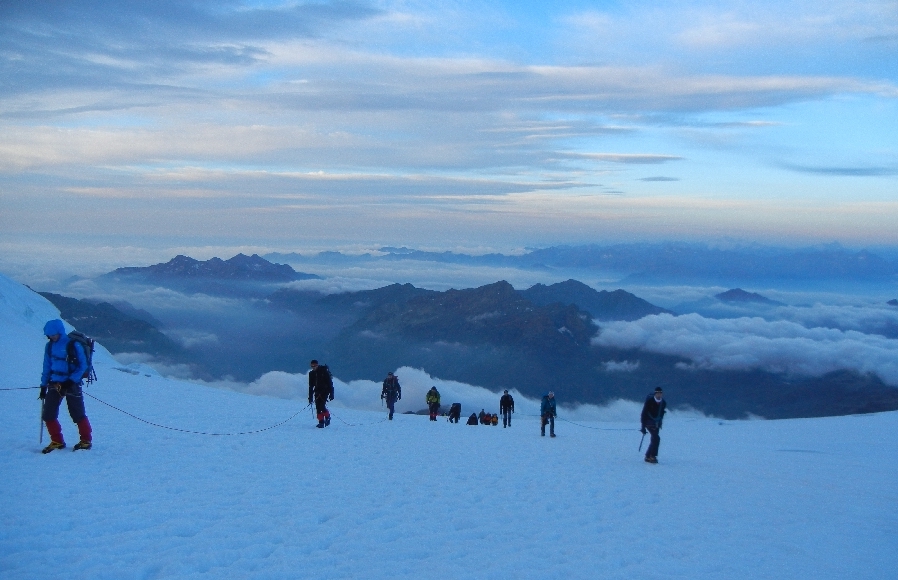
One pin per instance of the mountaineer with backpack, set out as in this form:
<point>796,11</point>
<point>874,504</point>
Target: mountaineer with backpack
<point>506,408</point>
<point>454,412</point>
<point>321,390</point>
<point>66,364</point>
<point>433,402</point>
<point>547,412</point>
<point>651,418</point>
<point>391,392</point>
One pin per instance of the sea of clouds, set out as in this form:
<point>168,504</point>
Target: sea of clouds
<point>781,346</point>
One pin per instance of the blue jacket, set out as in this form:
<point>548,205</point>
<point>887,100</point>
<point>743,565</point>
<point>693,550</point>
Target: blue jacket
<point>57,368</point>
<point>547,407</point>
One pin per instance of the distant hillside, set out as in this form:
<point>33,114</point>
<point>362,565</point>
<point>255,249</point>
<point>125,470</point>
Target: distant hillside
<point>114,329</point>
<point>738,295</point>
<point>602,305</point>
<point>239,276</point>
<point>494,336</point>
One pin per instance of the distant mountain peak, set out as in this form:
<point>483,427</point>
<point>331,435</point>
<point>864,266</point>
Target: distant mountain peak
<point>240,267</point>
<point>740,295</point>
<point>601,304</point>
<point>892,302</point>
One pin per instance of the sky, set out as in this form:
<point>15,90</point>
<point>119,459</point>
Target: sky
<point>151,126</point>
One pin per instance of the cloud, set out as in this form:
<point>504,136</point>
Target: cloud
<point>365,395</point>
<point>337,285</point>
<point>635,158</point>
<point>755,343</point>
<point>844,171</point>
<point>620,366</point>
<point>190,337</point>
<point>659,178</point>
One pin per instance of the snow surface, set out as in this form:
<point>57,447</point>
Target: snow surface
<point>367,498</point>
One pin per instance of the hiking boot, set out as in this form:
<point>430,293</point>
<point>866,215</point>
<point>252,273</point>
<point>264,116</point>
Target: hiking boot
<point>82,445</point>
<point>552,435</point>
<point>542,434</point>
<point>651,460</point>
<point>327,421</point>
<point>53,446</point>
<point>320,425</point>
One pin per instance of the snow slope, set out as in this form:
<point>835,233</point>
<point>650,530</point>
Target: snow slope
<point>366,498</point>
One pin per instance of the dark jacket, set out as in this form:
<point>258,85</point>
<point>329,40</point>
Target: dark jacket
<point>321,385</point>
<point>62,361</point>
<point>547,407</point>
<point>472,420</point>
<point>391,392</point>
<point>653,411</point>
<point>506,403</point>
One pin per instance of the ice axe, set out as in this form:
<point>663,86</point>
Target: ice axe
<point>641,441</point>
<point>41,423</point>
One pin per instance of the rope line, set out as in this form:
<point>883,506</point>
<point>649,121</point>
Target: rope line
<point>195,432</point>
<point>597,428</point>
<point>587,426</point>
<point>359,424</point>
<point>19,388</point>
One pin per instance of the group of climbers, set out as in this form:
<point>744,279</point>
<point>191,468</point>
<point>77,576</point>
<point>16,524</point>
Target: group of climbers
<point>66,364</point>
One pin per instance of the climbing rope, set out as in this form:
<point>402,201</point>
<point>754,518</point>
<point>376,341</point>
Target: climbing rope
<point>358,424</point>
<point>598,428</point>
<point>195,432</point>
<point>587,426</point>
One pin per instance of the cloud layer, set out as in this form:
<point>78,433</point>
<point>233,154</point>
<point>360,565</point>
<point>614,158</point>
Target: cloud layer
<point>208,117</point>
<point>755,343</point>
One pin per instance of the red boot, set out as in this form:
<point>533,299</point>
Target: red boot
<point>84,430</point>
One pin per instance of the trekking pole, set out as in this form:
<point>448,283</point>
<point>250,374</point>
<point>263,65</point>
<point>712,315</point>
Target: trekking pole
<point>641,441</point>
<point>41,423</point>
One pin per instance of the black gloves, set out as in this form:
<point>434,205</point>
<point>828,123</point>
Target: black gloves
<point>43,394</point>
<point>642,430</point>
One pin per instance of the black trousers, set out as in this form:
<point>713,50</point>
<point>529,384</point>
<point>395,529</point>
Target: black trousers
<point>550,419</point>
<point>74,398</point>
<point>655,441</point>
<point>506,418</point>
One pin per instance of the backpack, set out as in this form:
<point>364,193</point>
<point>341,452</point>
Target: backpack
<point>328,374</point>
<point>87,345</point>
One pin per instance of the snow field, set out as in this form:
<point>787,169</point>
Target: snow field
<point>413,498</point>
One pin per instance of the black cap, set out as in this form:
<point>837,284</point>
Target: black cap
<point>659,390</point>
<point>314,362</point>
<point>506,391</point>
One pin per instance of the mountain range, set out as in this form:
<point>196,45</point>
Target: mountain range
<point>235,276</point>
<point>654,263</point>
<point>494,336</point>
